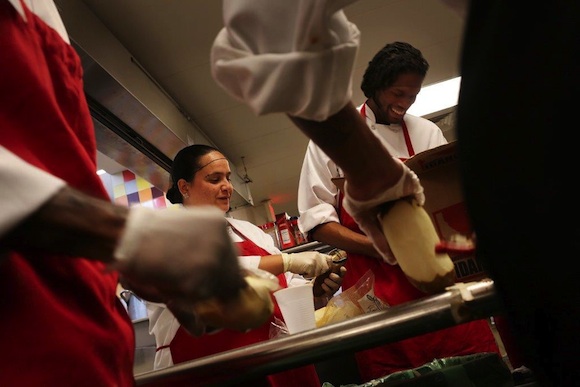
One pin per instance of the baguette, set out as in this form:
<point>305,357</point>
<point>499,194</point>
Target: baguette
<point>252,308</point>
<point>412,238</point>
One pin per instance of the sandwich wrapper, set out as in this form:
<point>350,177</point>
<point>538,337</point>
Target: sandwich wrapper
<point>354,301</point>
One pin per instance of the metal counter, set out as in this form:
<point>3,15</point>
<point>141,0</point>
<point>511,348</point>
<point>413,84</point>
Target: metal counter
<point>460,304</point>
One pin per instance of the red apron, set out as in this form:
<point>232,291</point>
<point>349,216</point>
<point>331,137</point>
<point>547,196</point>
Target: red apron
<point>392,286</point>
<point>62,322</point>
<point>410,150</point>
<point>185,347</point>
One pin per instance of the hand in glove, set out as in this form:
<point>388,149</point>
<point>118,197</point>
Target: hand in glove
<point>308,263</point>
<point>188,318</point>
<point>366,212</point>
<point>180,256</point>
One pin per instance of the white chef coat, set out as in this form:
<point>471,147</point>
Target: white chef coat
<point>163,325</point>
<point>317,194</point>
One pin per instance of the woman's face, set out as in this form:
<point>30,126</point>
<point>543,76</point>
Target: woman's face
<point>211,184</point>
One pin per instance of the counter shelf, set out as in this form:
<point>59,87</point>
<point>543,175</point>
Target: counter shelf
<point>457,305</point>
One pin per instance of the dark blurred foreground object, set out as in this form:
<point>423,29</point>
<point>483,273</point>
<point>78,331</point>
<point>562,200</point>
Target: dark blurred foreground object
<point>519,87</point>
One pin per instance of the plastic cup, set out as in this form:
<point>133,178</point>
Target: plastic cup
<point>297,306</point>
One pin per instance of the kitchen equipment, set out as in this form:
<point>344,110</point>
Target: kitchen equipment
<point>135,306</point>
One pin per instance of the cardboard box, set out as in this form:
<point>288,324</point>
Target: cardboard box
<point>438,170</point>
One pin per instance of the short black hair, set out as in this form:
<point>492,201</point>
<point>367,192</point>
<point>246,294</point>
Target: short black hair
<point>387,64</point>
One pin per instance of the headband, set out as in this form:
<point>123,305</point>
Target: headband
<point>205,165</point>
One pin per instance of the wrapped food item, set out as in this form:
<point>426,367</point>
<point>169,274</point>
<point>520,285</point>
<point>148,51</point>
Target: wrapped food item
<point>356,300</point>
<point>413,238</point>
<point>251,309</point>
<point>336,312</point>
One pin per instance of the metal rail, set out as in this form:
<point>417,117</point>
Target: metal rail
<point>460,304</point>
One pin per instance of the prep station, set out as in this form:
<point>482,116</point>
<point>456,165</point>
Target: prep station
<point>150,94</point>
<point>462,303</point>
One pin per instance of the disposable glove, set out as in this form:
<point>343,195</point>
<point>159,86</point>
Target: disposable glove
<point>367,213</point>
<point>251,309</point>
<point>308,263</point>
<point>188,319</point>
<point>178,256</point>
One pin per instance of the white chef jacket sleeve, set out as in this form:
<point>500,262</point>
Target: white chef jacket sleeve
<point>25,189</point>
<point>256,235</point>
<point>163,326</point>
<point>293,57</point>
<point>317,194</point>
<point>265,241</point>
<point>249,262</point>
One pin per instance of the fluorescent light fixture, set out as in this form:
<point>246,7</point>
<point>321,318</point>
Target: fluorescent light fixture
<point>436,98</point>
<point>101,172</point>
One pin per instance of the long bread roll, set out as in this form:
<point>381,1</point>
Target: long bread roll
<point>251,309</point>
<point>412,237</point>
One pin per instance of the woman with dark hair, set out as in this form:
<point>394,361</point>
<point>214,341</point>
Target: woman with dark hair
<point>201,176</point>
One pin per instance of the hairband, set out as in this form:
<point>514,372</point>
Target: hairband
<point>205,165</point>
<point>197,170</point>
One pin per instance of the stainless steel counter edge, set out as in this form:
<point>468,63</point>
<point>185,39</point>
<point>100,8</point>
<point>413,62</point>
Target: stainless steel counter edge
<point>428,314</point>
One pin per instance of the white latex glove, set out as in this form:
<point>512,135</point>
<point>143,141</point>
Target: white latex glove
<point>367,213</point>
<point>187,318</point>
<point>308,263</point>
<point>179,255</point>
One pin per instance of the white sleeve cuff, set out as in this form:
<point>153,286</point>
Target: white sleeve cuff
<point>249,262</point>
<point>317,215</point>
<point>25,188</point>
<point>305,72</point>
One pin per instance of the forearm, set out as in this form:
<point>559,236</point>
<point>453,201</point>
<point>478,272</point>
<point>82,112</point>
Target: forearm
<point>71,223</point>
<point>347,140</point>
<point>272,264</point>
<point>336,235</point>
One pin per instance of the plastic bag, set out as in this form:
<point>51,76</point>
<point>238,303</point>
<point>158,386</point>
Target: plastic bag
<point>485,369</point>
<point>356,300</point>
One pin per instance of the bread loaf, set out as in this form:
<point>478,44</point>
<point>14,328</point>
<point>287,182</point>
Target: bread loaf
<point>251,309</point>
<point>412,238</point>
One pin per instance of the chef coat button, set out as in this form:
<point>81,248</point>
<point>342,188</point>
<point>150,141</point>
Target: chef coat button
<point>373,127</point>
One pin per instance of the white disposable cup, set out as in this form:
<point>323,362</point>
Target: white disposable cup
<point>297,306</point>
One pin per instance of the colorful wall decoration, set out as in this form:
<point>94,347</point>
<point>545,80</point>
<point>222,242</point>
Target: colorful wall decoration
<point>126,188</point>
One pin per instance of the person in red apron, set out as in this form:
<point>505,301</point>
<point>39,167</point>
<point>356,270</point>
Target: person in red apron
<point>391,83</point>
<point>62,322</point>
<point>201,177</point>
